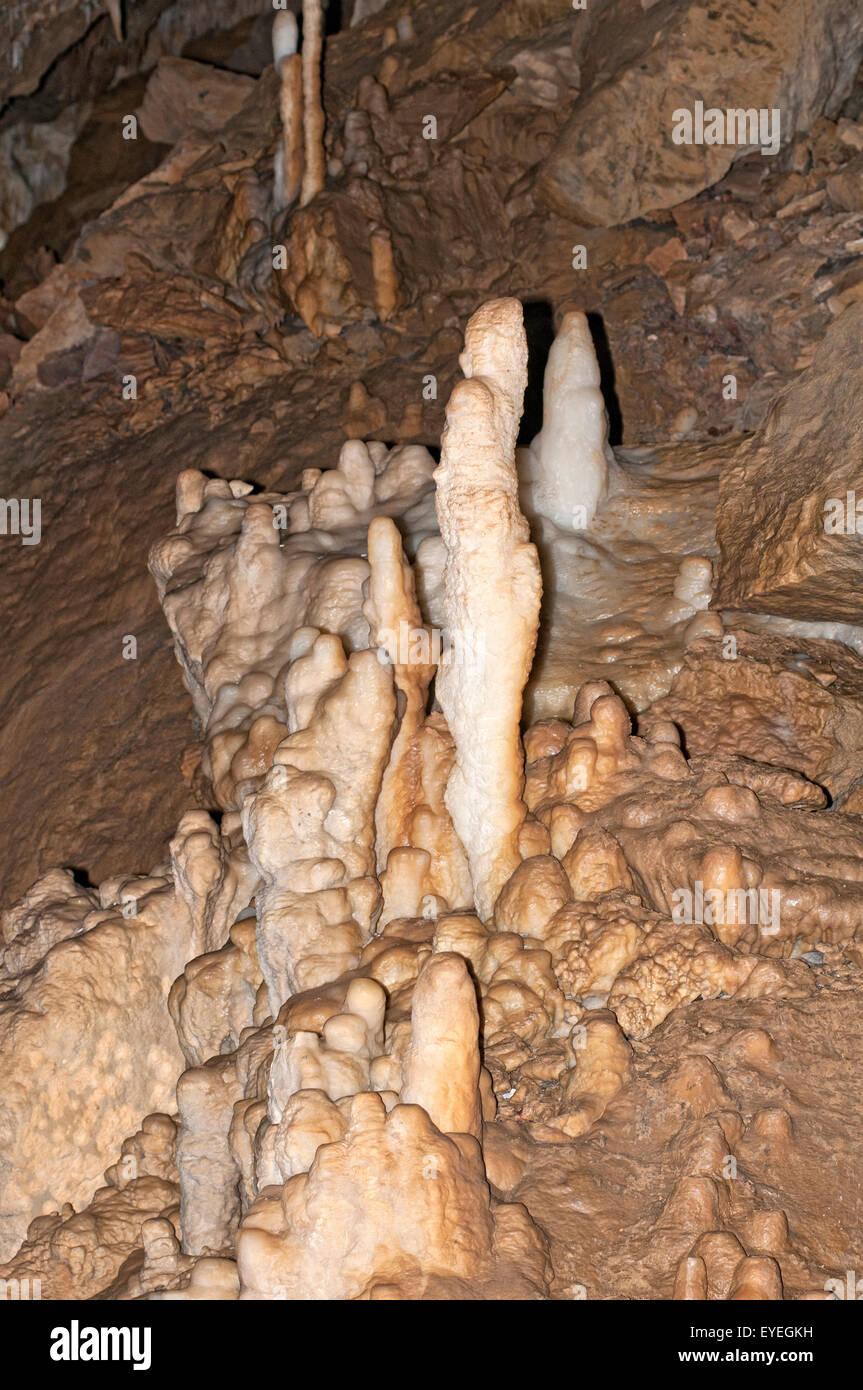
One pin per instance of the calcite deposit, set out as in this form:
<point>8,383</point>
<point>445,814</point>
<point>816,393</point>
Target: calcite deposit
<point>471,907</point>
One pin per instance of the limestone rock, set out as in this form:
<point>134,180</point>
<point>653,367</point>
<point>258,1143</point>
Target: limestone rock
<point>182,95</point>
<point>793,703</point>
<point>97,1000</point>
<point>399,1207</point>
<point>790,519</point>
<point>765,55</point>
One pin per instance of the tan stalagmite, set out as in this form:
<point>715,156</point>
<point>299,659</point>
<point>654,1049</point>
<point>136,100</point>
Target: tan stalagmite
<point>310,832</point>
<point>313,110</point>
<point>394,1209</point>
<point>250,582</point>
<point>384,273</point>
<point>289,66</point>
<point>492,595</point>
<point>690,1281</point>
<point>209,1194</point>
<point>213,881</point>
<point>422,866</point>
<point>396,629</point>
<point>442,1065</point>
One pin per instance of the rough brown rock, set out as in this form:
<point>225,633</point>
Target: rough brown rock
<point>765,56</point>
<point>789,529</point>
<point>183,96</point>
<point>768,700</point>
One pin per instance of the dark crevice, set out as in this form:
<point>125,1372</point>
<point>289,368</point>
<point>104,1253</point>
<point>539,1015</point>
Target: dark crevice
<point>606,378</point>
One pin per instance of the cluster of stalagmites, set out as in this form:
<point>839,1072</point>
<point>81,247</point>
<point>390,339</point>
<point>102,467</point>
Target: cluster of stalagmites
<point>391,919</point>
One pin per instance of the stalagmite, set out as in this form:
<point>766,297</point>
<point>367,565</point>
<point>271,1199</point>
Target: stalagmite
<point>210,1202</point>
<point>310,831</point>
<point>384,273</point>
<point>568,468</point>
<point>414,1004</point>
<point>442,1065</point>
<point>396,628</point>
<point>213,881</point>
<point>492,595</point>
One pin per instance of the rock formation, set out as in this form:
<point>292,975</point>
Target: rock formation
<point>492,592</point>
<point>567,470</point>
<point>474,908</point>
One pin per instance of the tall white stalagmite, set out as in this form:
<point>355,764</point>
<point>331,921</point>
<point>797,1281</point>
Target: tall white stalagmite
<point>567,469</point>
<point>493,589</point>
